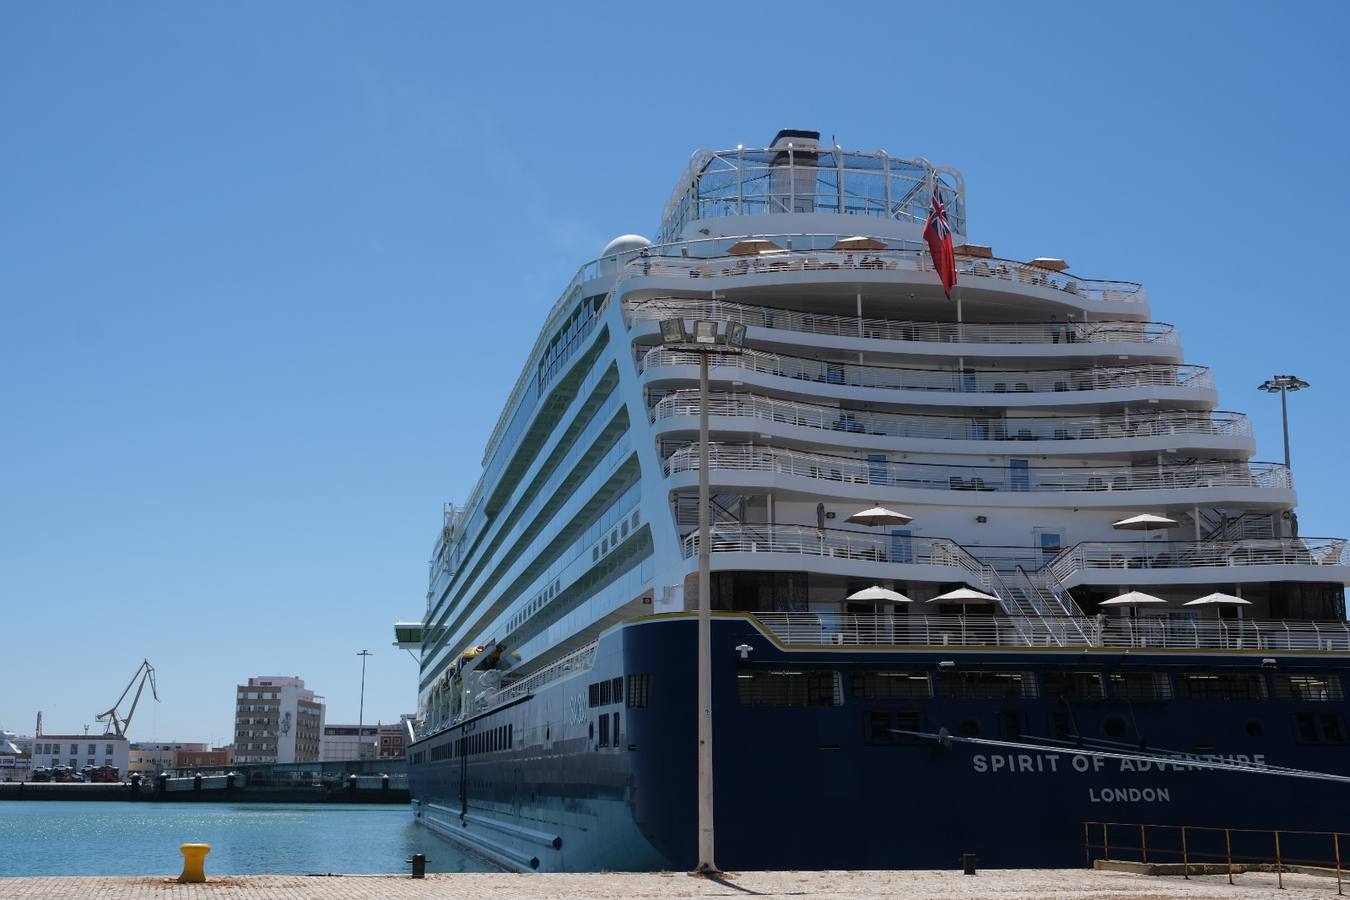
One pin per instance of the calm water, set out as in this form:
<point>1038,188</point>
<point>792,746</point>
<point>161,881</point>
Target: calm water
<point>97,838</point>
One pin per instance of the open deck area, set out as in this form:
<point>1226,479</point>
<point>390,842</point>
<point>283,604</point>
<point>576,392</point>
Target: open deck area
<point>1006,884</point>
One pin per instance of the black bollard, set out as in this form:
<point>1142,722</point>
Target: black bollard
<point>968,863</point>
<point>161,786</point>
<point>351,785</point>
<point>229,786</point>
<point>197,786</point>
<point>419,865</point>
<point>384,784</point>
<point>136,786</point>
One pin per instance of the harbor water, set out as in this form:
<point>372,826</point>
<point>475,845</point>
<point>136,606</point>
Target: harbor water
<point>80,838</point>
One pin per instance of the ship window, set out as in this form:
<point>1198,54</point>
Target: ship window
<point>639,691</point>
<point>773,687</point>
<point>614,717</point>
<point>1222,685</point>
<point>890,685</point>
<point>985,685</point>
<point>968,728</point>
<point>635,520</point>
<point>1308,687</point>
<point>616,689</point>
<point>1140,686</point>
<point>1072,685</point>
<point>1324,728</point>
<point>1010,720</point>
<point>604,693</point>
<point>604,732</point>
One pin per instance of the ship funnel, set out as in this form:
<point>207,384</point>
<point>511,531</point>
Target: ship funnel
<point>797,138</point>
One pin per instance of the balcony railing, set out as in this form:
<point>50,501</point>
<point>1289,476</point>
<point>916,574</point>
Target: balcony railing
<point>1068,332</point>
<point>1147,554</point>
<point>943,477</point>
<point>976,271</point>
<point>839,543</point>
<point>902,379</point>
<point>1151,632</point>
<point>957,428</point>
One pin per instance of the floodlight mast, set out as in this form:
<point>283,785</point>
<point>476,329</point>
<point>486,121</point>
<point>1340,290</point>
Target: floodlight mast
<point>114,723</point>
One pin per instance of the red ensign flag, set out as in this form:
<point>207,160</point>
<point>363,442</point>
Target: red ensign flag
<point>938,234</point>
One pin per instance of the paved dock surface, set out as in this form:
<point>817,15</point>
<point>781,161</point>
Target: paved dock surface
<point>1008,884</point>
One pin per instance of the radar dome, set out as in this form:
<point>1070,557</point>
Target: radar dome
<point>625,243</point>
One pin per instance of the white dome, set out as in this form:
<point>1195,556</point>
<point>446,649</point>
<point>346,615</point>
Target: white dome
<point>625,243</point>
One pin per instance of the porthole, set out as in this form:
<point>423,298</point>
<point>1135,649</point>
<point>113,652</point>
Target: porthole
<point>1114,726</point>
<point>1255,728</point>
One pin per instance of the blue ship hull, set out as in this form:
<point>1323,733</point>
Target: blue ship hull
<point>545,784</point>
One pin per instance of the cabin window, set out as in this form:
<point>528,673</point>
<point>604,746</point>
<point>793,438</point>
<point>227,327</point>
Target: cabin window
<point>985,685</point>
<point>1140,686</point>
<point>1308,687</point>
<point>885,727</point>
<point>1314,728</point>
<point>639,691</point>
<point>891,685</point>
<point>616,689</point>
<point>774,687</point>
<point>604,731</point>
<point>1221,685</point>
<point>1072,685</point>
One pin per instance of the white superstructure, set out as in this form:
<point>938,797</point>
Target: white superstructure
<point>1015,422</point>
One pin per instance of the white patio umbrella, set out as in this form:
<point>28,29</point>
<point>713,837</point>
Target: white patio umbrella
<point>859,242</point>
<point>878,594</point>
<point>752,246</point>
<point>1218,601</point>
<point>1144,522</point>
<point>1134,598</point>
<point>1048,262</point>
<point>963,596</point>
<point>879,515</point>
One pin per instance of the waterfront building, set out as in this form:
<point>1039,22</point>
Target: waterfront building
<point>972,669</point>
<point>349,742</point>
<point>79,750</point>
<point>152,757</point>
<point>202,759</point>
<point>393,738</point>
<point>277,720</point>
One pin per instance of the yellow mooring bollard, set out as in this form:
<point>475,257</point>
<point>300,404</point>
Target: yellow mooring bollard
<point>194,858</point>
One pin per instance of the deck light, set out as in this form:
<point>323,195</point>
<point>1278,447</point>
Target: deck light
<point>705,331</point>
<point>744,650</point>
<point>1283,385</point>
<point>672,331</point>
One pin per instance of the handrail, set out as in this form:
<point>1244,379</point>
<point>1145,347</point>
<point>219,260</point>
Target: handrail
<point>1040,428</point>
<point>837,542</point>
<point>946,477</point>
<point>881,260</point>
<point>1067,332</point>
<point>915,627</point>
<point>915,379</point>
<point>1147,554</point>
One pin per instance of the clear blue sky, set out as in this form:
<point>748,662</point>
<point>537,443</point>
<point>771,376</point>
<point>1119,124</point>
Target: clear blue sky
<point>268,271</point>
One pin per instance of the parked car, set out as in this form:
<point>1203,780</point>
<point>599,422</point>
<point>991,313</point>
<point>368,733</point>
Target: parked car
<point>41,773</point>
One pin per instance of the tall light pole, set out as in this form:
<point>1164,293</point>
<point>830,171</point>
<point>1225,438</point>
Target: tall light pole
<point>704,341</point>
<point>1283,385</point>
<point>361,714</point>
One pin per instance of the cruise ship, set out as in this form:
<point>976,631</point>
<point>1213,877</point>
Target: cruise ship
<point>983,565</point>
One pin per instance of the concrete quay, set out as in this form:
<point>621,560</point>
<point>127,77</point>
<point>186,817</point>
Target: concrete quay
<point>1005,884</point>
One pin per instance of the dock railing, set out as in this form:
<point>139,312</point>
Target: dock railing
<point>1205,850</point>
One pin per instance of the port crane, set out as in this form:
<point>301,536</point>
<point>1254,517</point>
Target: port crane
<point>116,724</point>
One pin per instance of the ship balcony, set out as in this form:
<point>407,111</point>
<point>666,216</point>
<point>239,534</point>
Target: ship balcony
<point>1235,484</point>
<point>1184,386</point>
<point>1147,562</point>
<point>1214,434</point>
<point>1155,341</point>
<point>978,279</point>
<point>826,629</point>
<point>838,551</point>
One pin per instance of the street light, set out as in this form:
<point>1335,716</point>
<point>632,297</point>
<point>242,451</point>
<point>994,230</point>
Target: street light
<point>704,341</point>
<point>1283,385</point>
<point>361,713</point>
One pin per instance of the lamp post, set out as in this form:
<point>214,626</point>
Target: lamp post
<point>361,713</point>
<point>1283,385</point>
<point>704,341</point>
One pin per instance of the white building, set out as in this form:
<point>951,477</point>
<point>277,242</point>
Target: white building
<point>277,720</point>
<point>344,743</point>
<point>80,750</point>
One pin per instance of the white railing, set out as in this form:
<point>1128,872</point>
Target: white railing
<point>943,477</point>
<point>1152,632</point>
<point>973,269</point>
<point>894,378</point>
<point>1148,554</point>
<point>1067,332</point>
<point>960,428</point>
<point>577,660</point>
<point>840,543</point>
